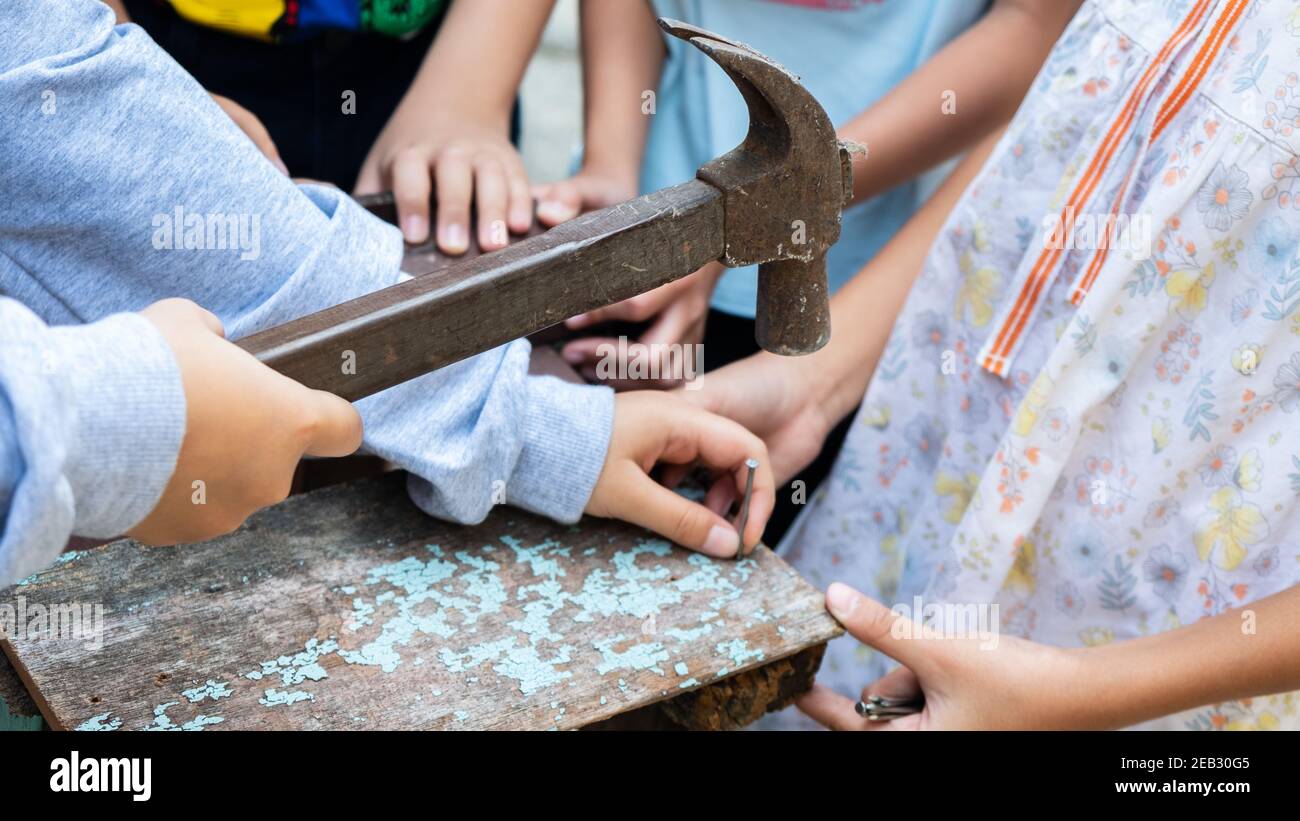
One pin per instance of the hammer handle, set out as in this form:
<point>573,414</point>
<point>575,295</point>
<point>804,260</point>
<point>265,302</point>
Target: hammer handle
<point>387,337</point>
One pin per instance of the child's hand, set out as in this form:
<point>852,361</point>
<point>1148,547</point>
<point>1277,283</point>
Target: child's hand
<point>651,427</point>
<point>780,398</point>
<point>678,308</point>
<point>588,190</point>
<point>246,429</point>
<point>976,683</point>
<point>464,161</point>
<point>253,128</point>
<point>678,311</point>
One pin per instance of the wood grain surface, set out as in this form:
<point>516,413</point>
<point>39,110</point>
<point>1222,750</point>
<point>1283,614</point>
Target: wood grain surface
<point>349,608</point>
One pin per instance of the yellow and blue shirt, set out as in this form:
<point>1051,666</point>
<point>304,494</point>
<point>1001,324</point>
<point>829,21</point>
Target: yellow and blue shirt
<point>295,19</point>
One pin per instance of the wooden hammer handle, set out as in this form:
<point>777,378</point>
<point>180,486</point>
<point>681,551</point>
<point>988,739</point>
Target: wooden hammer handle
<point>384,338</point>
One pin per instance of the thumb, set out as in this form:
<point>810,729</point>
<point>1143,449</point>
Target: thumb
<point>677,518</point>
<point>337,428</point>
<point>876,626</point>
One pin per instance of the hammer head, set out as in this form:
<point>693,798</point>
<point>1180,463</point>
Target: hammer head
<point>783,190</point>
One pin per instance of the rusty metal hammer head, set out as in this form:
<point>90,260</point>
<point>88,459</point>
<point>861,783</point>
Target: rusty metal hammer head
<point>783,190</point>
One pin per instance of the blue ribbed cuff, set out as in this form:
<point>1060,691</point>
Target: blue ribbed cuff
<point>129,403</point>
<point>566,430</point>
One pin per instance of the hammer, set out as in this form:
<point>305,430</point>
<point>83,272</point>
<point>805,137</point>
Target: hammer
<point>774,200</point>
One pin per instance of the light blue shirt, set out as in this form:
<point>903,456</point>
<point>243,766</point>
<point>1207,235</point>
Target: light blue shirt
<point>848,53</point>
<point>107,150</point>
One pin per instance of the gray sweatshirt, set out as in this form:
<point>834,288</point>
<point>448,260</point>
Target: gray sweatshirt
<point>121,183</point>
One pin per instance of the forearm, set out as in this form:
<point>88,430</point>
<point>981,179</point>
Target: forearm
<point>864,310</point>
<point>476,63</point>
<point>146,153</point>
<point>622,55</point>
<point>971,87</point>
<point>1238,654</point>
<point>91,421</point>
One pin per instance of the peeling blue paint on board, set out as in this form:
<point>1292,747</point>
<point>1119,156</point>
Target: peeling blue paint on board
<point>645,656</point>
<point>361,614</point>
<point>739,651</point>
<point>274,698</point>
<point>443,596</point>
<point>301,666</point>
<point>521,663</point>
<point>213,690</point>
<point>690,635</point>
<point>535,557</point>
<point>419,582</point>
<point>102,723</point>
<point>688,683</point>
<point>161,721</point>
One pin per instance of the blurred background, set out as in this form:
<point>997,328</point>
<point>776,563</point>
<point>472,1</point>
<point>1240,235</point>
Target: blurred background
<point>552,99</point>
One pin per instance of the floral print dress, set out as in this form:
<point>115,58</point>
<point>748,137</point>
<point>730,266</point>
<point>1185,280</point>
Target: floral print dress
<point>1098,430</point>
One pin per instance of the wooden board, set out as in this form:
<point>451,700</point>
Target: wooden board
<point>349,608</point>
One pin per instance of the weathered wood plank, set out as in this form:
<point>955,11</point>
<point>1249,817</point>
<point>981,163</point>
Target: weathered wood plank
<point>349,608</point>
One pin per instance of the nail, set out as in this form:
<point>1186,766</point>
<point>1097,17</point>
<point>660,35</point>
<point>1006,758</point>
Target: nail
<point>752,465</point>
<point>415,228</point>
<point>841,600</point>
<point>579,321</point>
<point>454,238</point>
<point>721,542</point>
<point>552,211</point>
<point>573,356</point>
<point>279,163</point>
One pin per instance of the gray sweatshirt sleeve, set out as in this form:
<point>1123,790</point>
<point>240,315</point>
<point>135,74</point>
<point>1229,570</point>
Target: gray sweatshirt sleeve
<point>91,419</point>
<point>124,183</point>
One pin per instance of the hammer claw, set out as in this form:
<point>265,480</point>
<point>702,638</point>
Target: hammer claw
<point>783,189</point>
<point>688,32</point>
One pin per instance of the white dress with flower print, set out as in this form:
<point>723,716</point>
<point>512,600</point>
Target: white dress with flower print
<point>1116,451</point>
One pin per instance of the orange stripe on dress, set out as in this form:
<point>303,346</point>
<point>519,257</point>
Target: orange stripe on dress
<point>1200,65</point>
<point>1204,58</point>
<point>1033,285</point>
